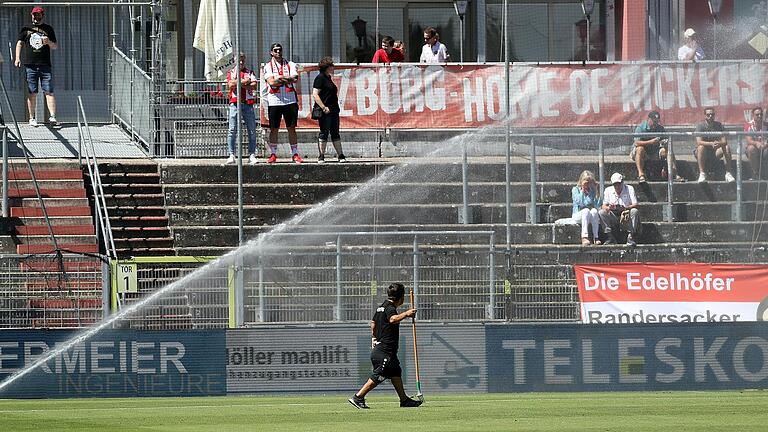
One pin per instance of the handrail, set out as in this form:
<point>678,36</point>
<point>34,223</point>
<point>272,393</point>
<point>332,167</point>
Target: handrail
<point>93,171</point>
<point>132,63</point>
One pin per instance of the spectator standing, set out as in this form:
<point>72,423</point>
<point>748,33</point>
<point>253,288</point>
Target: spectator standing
<point>711,147</point>
<point>620,211</point>
<point>387,53</point>
<point>586,200</point>
<point>281,76</point>
<point>326,95</point>
<point>33,50</point>
<point>248,87</point>
<point>433,51</point>
<point>690,50</point>
<point>650,143</point>
<point>757,149</point>
<point>385,336</point>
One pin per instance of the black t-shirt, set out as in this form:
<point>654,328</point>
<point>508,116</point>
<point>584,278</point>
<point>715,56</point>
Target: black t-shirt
<point>705,127</point>
<point>329,94</point>
<point>29,35</point>
<point>387,334</point>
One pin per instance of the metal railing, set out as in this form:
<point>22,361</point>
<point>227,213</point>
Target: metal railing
<point>132,98</point>
<point>50,291</point>
<point>334,277</point>
<point>87,151</point>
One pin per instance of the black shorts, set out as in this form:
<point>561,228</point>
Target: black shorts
<point>384,366</point>
<point>288,112</point>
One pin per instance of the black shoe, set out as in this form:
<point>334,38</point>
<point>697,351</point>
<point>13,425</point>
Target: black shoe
<point>359,403</point>
<point>410,403</point>
<point>321,159</point>
<point>609,239</point>
<point>342,158</point>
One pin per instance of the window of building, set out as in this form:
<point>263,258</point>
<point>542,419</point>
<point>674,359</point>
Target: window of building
<point>359,24</point>
<point>442,17</point>
<point>547,30</point>
<point>308,31</point>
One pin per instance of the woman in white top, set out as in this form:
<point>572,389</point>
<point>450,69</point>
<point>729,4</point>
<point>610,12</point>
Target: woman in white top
<point>433,51</point>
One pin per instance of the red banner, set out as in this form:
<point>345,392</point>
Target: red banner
<point>672,292</point>
<point>470,96</point>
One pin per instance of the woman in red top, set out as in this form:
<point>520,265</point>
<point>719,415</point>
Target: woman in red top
<point>387,53</point>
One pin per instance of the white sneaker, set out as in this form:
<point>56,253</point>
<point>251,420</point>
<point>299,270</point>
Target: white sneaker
<point>33,122</point>
<point>230,160</point>
<point>729,177</point>
<point>252,159</point>
<point>52,119</point>
<point>702,177</point>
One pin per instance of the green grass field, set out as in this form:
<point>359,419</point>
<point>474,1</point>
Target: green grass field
<point>640,411</point>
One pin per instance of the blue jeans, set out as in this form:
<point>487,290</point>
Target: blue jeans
<point>249,116</point>
<point>41,73</point>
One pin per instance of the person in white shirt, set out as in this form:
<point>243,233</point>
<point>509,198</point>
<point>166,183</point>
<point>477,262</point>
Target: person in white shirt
<point>690,49</point>
<point>281,76</point>
<point>619,210</point>
<point>433,51</point>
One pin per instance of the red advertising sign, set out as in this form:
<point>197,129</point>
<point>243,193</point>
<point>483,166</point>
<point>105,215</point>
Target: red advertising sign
<point>469,96</point>
<point>672,292</point>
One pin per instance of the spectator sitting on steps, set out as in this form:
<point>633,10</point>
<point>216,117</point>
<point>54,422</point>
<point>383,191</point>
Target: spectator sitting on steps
<point>586,198</point>
<point>650,143</point>
<point>620,211</point>
<point>711,147</point>
<point>757,149</point>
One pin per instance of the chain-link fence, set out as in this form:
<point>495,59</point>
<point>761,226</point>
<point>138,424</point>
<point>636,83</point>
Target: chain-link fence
<point>50,291</point>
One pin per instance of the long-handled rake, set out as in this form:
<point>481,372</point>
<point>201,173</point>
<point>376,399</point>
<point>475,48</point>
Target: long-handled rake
<point>419,394</point>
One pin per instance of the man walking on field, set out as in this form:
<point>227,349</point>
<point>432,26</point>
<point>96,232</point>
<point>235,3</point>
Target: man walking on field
<point>385,334</point>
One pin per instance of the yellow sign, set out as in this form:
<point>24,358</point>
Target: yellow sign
<point>125,276</point>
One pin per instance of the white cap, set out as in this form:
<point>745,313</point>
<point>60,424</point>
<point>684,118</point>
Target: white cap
<point>689,33</point>
<point>617,178</point>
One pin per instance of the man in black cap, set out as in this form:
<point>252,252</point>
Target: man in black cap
<point>650,143</point>
<point>385,335</point>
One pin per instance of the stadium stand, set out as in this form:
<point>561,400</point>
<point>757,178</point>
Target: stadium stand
<point>135,206</point>
<point>202,203</point>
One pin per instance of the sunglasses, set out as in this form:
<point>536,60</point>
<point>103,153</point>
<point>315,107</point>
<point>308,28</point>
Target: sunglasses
<point>710,114</point>
<point>277,50</point>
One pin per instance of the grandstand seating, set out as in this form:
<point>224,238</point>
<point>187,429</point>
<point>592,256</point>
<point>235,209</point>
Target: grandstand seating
<point>137,215</point>
<point>63,191</point>
<point>201,201</point>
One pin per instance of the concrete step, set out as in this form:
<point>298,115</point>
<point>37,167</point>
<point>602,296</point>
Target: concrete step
<point>47,248</point>
<point>46,174</point>
<point>47,193</point>
<point>52,202</point>
<point>46,184</point>
<point>551,192</point>
<point>138,221</point>
<point>130,177</point>
<point>134,200</point>
<point>132,189</point>
<point>44,239</point>
<point>116,211</point>
<point>123,232</point>
<point>68,230</point>
<point>23,212</point>
<point>565,169</point>
<point>59,220</point>
<point>123,166</point>
<point>143,242</point>
<point>527,234</point>
<point>144,251</point>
